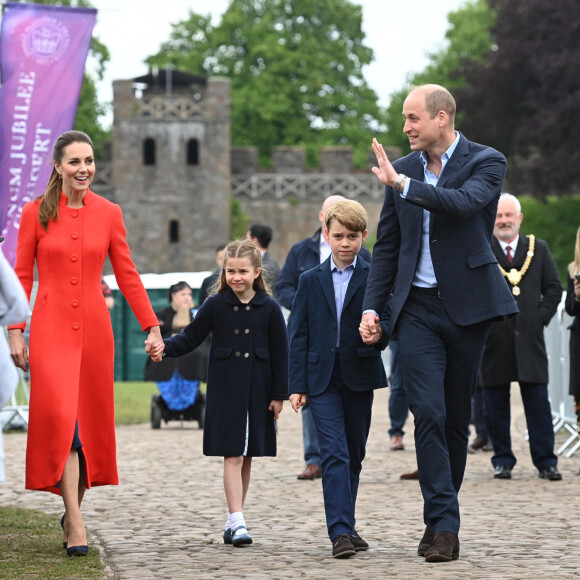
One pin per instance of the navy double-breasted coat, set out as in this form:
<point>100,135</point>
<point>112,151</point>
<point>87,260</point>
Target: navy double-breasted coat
<point>247,369</point>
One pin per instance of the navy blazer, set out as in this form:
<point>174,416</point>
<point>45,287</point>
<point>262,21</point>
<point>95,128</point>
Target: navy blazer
<point>314,332</point>
<point>463,208</point>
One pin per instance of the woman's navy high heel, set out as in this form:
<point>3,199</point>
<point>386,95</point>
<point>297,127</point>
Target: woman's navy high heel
<point>77,551</point>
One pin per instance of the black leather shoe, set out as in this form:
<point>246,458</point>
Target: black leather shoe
<point>342,547</point>
<point>502,472</point>
<point>445,548</point>
<point>426,541</point>
<point>360,545</point>
<point>550,473</point>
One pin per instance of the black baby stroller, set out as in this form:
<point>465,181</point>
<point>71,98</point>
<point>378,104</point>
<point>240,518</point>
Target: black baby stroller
<point>179,380</point>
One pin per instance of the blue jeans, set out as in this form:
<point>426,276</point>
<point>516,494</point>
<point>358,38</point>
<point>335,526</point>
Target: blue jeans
<point>398,408</point>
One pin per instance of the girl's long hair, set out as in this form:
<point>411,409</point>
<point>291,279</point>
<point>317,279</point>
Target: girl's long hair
<point>574,266</point>
<point>242,249</point>
<point>48,209</point>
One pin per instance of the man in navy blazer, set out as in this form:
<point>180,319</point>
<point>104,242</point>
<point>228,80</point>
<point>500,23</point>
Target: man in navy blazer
<point>331,366</point>
<point>433,253</point>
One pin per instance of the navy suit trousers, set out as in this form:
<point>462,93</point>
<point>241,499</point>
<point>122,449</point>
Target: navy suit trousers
<point>440,363</point>
<point>343,419</point>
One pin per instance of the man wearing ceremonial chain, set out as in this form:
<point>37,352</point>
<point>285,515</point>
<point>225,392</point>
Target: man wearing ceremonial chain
<point>515,349</point>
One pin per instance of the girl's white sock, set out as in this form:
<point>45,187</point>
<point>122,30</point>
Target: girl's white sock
<point>237,520</point>
<point>229,522</point>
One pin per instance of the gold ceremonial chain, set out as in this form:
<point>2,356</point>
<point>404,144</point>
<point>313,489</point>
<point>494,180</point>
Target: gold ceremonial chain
<point>514,276</point>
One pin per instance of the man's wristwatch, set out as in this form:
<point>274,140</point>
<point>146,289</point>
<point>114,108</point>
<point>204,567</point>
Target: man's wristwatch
<point>399,182</point>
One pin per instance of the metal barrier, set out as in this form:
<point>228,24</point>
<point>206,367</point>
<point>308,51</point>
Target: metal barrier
<point>558,348</point>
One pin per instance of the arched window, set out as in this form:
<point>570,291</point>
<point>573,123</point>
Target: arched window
<point>149,151</point>
<point>173,231</point>
<point>193,152</point>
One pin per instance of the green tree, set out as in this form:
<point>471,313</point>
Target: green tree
<point>296,72</point>
<point>89,109</point>
<point>468,39</point>
<point>523,99</point>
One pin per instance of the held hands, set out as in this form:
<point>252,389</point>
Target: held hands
<point>18,349</point>
<point>154,345</point>
<point>369,328</point>
<point>385,171</point>
<point>297,400</point>
<point>276,408</point>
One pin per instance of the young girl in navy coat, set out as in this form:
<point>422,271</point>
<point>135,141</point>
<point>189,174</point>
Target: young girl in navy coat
<point>247,373</point>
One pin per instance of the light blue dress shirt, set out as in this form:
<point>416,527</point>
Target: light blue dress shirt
<point>424,273</point>
<point>340,280</point>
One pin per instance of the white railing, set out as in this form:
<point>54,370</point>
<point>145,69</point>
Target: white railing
<point>557,345</point>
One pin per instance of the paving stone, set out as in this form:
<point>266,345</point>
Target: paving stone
<point>166,518</point>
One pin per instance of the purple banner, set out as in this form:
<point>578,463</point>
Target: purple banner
<point>43,50</point>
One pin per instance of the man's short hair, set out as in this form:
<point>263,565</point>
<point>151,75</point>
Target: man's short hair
<point>262,233</point>
<point>349,213</point>
<point>440,99</point>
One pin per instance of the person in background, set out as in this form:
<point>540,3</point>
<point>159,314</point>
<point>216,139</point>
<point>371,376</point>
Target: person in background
<point>330,364</point>
<point>68,232</point>
<point>572,306</point>
<point>210,281</point>
<point>247,378</point>
<point>178,379</point>
<point>433,255</point>
<point>13,309</point>
<point>515,349</point>
<point>108,295</point>
<point>262,236</point>
<point>303,256</point>
<point>398,409</point>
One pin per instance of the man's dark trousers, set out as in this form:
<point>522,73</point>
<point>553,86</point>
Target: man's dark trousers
<point>343,420</point>
<point>540,429</point>
<point>440,362</point>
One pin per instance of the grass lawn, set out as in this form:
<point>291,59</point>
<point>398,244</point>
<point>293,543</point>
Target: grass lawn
<point>31,541</point>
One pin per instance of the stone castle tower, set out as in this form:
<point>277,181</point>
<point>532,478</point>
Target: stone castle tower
<point>169,168</point>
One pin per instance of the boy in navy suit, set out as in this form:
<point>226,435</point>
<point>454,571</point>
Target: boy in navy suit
<point>331,365</point>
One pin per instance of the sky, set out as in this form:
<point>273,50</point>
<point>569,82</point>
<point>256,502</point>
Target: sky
<point>401,33</point>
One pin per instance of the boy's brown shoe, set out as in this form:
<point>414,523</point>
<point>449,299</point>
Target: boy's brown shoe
<point>342,547</point>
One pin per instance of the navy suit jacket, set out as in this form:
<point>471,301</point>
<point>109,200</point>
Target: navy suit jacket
<point>314,332</point>
<point>463,208</point>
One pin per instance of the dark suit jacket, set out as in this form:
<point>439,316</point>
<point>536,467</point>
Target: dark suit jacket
<point>302,256</point>
<point>314,332</point>
<point>515,349</point>
<point>463,208</point>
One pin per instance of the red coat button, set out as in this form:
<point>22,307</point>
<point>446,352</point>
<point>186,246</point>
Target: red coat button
<point>75,303</point>
<point>74,235</point>
<point>74,281</point>
<point>74,258</point>
<point>75,214</point>
<point>76,325</point>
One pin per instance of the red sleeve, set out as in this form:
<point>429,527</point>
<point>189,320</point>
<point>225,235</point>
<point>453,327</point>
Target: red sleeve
<point>126,274</point>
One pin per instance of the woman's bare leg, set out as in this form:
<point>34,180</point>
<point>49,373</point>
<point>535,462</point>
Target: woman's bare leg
<point>72,487</point>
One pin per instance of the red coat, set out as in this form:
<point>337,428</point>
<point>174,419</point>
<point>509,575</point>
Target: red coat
<point>71,338</point>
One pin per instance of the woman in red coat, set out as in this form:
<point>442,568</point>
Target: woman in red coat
<point>69,231</point>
